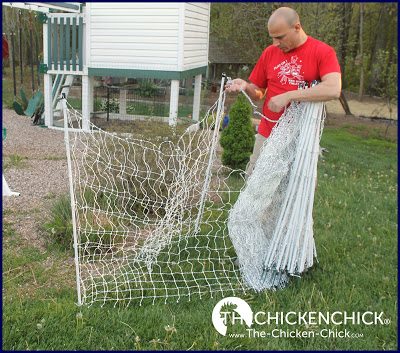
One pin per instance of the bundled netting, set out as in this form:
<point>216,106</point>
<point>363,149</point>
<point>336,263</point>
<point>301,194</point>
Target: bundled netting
<point>164,219</point>
<point>271,224</point>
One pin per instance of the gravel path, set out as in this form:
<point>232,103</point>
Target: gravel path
<point>40,178</point>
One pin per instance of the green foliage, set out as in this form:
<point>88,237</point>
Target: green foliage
<point>387,66</point>
<point>112,104</point>
<point>14,161</point>
<point>148,109</point>
<point>59,226</point>
<point>147,89</point>
<point>232,22</point>
<point>237,138</point>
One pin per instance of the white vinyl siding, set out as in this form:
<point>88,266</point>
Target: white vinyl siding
<point>134,35</point>
<point>148,36</point>
<point>196,32</point>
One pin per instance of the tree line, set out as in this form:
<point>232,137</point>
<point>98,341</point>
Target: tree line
<point>23,34</point>
<point>364,36</point>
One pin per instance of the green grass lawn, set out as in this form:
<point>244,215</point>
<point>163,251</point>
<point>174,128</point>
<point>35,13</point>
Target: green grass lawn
<point>355,227</point>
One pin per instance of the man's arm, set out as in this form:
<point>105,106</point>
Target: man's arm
<point>256,93</point>
<point>328,89</point>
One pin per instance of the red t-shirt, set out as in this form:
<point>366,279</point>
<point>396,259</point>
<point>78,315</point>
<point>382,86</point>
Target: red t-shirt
<point>280,72</point>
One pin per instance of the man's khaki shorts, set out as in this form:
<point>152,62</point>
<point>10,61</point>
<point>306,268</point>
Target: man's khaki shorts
<point>260,139</point>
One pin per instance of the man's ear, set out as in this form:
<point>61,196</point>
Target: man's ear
<point>297,27</point>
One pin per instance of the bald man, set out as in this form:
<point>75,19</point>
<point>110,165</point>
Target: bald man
<point>293,58</point>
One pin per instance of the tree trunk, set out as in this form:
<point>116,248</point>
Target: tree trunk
<point>12,53</point>
<point>345,105</point>
<point>21,61</point>
<point>354,48</point>
<point>361,90</point>
<point>346,11</point>
<point>37,59</point>
<point>379,44</point>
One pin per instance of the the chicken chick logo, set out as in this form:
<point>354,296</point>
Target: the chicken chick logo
<point>230,311</point>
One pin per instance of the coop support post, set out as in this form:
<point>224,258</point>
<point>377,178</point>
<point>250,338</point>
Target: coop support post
<point>47,80</point>
<point>196,98</point>
<point>87,89</point>
<point>122,101</point>
<point>173,104</point>
<point>91,95</point>
<point>123,94</point>
<point>87,60</point>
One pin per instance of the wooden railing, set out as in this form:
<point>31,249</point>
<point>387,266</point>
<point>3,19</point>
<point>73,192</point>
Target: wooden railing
<point>65,43</point>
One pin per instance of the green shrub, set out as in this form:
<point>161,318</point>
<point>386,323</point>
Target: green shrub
<point>147,89</point>
<point>113,103</point>
<point>237,138</point>
<point>59,226</point>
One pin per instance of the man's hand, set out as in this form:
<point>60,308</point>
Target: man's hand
<point>277,103</point>
<point>236,85</point>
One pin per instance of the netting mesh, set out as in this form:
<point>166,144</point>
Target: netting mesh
<point>272,218</point>
<point>167,220</point>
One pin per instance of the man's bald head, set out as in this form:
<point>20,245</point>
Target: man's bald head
<point>285,29</point>
<point>286,14</point>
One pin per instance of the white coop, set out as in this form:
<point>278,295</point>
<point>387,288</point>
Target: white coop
<point>167,41</point>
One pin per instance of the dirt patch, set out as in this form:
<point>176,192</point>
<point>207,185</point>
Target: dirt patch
<point>364,127</point>
<point>367,107</point>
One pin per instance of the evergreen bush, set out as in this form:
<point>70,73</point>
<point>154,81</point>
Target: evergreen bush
<point>237,139</point>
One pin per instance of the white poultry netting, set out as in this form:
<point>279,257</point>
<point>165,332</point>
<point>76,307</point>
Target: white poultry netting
<point>167,220</point>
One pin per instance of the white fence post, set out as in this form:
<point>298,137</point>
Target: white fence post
<point>196,98</point>
<point>47,80</point>
<point>86,95</point>
<point>173,104</point>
